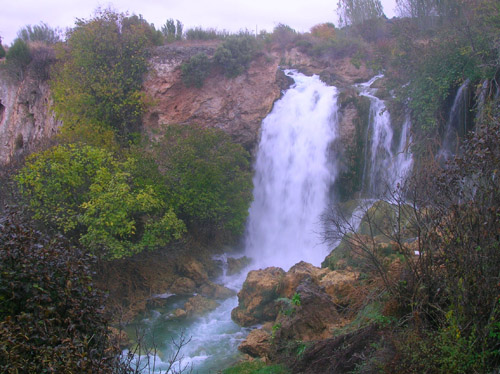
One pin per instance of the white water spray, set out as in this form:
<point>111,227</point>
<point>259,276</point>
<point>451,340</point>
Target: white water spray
<point>384,168</point>
<point>293,176</point>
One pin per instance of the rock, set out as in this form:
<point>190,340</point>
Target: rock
<point>256,300</point>
<point>183,286</point>
<point>179,313</point>
<point>235,105</point>
<point>312,319</point>
<point>210,289</point>
<point>339,283</point>
<point>235,265</point>
<point>198,305</point>
<point>257,344</point>
<point>297,274</point>
<point>194,270</point>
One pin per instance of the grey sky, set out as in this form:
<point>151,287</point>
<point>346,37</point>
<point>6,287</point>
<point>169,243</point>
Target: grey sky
<point>231,15</point>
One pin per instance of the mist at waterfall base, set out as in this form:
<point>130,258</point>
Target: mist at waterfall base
<point>294,171</point>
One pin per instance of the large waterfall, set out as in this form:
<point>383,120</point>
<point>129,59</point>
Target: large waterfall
<point>293,175</point>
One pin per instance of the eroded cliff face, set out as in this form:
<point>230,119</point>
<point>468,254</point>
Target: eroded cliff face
<point>235,105</point>
<point>25,117</point>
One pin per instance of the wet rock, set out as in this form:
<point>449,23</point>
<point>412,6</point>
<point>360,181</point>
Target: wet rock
<point>216,291</point>
<point>183,286</point>
<point>312,317</point>
<point>257,344</point>
<point>179,313</point>
<point>339,283</point>
<point>235,265</point>
<point>198,305</point>
<point>297,274</point>
<point>256,300</point>
<point>193,269</point>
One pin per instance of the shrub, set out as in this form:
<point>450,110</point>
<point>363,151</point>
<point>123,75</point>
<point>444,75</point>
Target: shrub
<point>86,193</point>
<point>324,31</point>
<point>18,57</point>
<point>235,54</point>
<point>2,50</point>
<point>208,178</point>
<point>199,33</point>
<point>196,70</point>
<point>39,33</point>
<point>51,316</point>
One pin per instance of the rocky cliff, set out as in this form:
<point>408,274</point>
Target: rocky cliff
<point>25,116</point>
<point>235,105</point>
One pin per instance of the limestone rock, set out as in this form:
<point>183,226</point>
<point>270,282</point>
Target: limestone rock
<point>210,289</point>
<point>198,305</point>
<point>193,269</point>
<point>339,283</point>
<point>257,344</point>
<point>183,286</point>
<point>256,300</point>
<point>235,265</point>
<point>179,313</point>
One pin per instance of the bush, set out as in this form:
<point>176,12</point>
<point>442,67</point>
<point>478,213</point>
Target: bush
<point>196,70</point>
<point>18,57</point>
<point>234,55</point>
<point>51,316</point>
<point>204,34</point>
<point>86,193</point>
<point>208,178</point>
<point>2,50</point>
<point>39,33</point>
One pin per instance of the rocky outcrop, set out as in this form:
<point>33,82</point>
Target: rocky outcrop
<point>300,304</point>
<point>235,105</point>
<point>26,119</point>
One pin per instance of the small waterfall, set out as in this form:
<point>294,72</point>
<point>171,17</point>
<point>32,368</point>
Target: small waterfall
<point>383,169</point>
<point>457,123</point>
<point>293,176</point>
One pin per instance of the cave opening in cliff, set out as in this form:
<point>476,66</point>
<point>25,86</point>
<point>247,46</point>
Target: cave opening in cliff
<point>2,110</point>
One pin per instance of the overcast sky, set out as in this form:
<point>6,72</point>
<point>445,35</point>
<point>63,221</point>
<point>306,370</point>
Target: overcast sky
<point>231,15</point>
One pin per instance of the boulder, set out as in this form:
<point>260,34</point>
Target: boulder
<point>183,286</point>
<point>179,313</point>
<point>198,305</point>
<point>339,283</point>
<point>257,344</point>
<point>193,269</point>
<point>216,291</point>
<point>235,265</point>
<point>311,317</point>
<point>256,300</point>
<point>297,274</point>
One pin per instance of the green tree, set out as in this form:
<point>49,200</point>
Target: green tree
<point>18,57</point>
<point>355,12</point>
<point>208,178</point>
<point>88,194</point>
<point>99,80</point>
<point>39,33</point>
<point>196,70</point>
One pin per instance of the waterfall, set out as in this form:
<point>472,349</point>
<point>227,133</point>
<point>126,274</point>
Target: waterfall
<point>383,168</point>
<point>293,175</point>
<point>457,120</point>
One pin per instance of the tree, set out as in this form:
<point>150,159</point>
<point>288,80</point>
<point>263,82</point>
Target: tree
<point>355,12</point>
<point>208,178</point>
<point>98,82</point>
<point>39,33</point>
<point>89,195</point>
<point>235,54</point>
<point>18,57</point>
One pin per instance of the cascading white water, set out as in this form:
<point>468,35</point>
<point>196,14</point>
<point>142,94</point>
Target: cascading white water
<point>456,117</point>
<point>383,168</point>
<point>292,176</point>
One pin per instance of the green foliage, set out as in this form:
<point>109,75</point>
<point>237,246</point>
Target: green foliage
<point>296,299</point>
<point>39,33</point>
<point>87,193</point>
<point>199,33</point>
<point>172,30</point>
<point>2,50</point>
<point>196,70</point>
<point>234,55</point>
<point>255,367</point>
<point>99,80</point>
<point>208,178</point>
<point>356,12</point>
<point>19,56</point>
<point>51,316</point>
